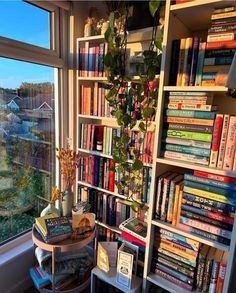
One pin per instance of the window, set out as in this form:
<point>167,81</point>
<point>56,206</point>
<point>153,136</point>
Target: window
<point>24,22</point>
<point>27,145</point>
<point>31,80</point>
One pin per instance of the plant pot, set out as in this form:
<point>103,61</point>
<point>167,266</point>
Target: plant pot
<point>67,202</point>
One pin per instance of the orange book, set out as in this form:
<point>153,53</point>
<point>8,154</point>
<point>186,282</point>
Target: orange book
<point>179,206</point>
<point>178,189</point>
<point>95,99</point>
<point>221,44</point>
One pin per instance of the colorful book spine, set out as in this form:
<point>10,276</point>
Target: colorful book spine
<point>221,274</point>
<point>214,276</point>
<point>210,195</point>
<point>176,256</point>
<point>183,120</point>
<point>181,62</point>
<point>231,44</point>
<point>216,140</point>
<point>215,183</point>
<point>190,114</point>
<point>173,279</point>
<point>200,61</point>
<point>219,53</point>
<point>208,204</point>
<point>186,157</point>
<point>203,233</point>
<point>171,197</point>
<point>223,15</point>
<point>187,150</point>
<point>220,178</point>
<point>206,227</point>
<point>181,240</point>
<point>196,107</point>
<point>187,142</point>
<point>189,135</point>
<point>223,141</point>
<point>230,145</point>
<point>187,253</point>
<point>218,60</point>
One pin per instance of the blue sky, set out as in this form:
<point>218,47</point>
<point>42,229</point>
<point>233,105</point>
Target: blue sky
<point>23,22</point>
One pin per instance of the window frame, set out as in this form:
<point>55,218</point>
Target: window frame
<point>54,57</point>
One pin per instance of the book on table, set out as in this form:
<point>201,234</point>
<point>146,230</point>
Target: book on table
<point>135,227</point>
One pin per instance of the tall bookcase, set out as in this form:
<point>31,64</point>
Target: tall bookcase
<point>181,21</point>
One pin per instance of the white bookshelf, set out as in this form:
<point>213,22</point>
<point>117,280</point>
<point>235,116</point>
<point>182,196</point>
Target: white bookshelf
<point>181,21</point>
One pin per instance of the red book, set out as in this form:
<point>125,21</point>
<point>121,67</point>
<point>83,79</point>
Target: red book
<point>216,177</point>
<point>132,239</point>
<point>111,177</point>
<point>182,1</point>
<point>221,44</point>
<point>216,139</point>
<point>221,274</point>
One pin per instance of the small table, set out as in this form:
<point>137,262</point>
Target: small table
<point>62,246</point>
<point>110,278</point>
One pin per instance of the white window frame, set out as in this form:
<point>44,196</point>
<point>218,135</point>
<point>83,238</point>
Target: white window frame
<point>55,57</point>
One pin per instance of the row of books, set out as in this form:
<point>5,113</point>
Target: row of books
<point>101,138</point>
<point>188,264</point>
<point>93,102</point>
<point>96,171</point>
<point>188,126</point>
<point>109,209</point>
<point>91,60</point>
<point>196,62</point>
<point>199,203</point>
<point>105,234</point>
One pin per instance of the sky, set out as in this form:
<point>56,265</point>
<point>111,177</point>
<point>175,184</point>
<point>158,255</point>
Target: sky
<point>27,23</point>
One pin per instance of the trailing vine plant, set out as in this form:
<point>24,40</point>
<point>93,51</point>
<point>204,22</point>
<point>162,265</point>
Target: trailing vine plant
<point>133,102</point>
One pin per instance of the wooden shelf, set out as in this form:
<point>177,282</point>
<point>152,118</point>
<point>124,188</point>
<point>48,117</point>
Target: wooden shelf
<point>195,89</point>
<point>177,230</point>
<point>196,15</point>
<point>91,38</point>
<point>198,167</point>
<point>167,285</point>
<point>112,228</point>
<point>100,154</point>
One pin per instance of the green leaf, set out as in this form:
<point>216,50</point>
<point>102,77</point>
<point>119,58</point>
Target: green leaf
<point>148,112</point>
<point>153,6</point>
<point>134,206</point>
<point>112,21</point>
<point>108,60</point>
<point>158,43</point>
<point>142,126</point>
<point>137,165</point>
<point>108,36</point>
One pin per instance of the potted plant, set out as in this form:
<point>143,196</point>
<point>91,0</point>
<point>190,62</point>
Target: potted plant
<point>133,102</point>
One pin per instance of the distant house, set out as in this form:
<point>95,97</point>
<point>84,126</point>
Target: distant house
<point>43,107</point>
<point>12,105</point>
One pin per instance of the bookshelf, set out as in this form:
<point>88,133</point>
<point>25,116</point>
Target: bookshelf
<point>182,21</point>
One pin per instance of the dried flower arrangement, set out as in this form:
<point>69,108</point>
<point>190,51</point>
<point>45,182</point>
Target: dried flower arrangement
<point>55,194</point>
<point>69,161</point>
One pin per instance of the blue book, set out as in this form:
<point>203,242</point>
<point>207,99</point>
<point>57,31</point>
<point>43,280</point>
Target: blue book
<point>187,150</point>
<point>40,280</point>
<point>96,170</point>
<point>224,185</point>
<point>190,114</point>
<point>210,188</point>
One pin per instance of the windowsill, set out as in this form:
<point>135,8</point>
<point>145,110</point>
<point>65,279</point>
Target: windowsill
<point>18,246</point>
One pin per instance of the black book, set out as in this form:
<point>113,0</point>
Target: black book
<point>175,60</point>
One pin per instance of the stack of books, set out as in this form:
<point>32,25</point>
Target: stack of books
<point>205,63</point>
<point>93,102</point>
<point>220,47</point>
<point>188,126</point>
<point>53,228</point>
<point>208,206</point>
<point>187,263</point>
<point>175,258</point>
<point>91,60</point>
<point>101,138</point>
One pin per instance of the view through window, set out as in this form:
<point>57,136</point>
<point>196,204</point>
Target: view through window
<point>26,143</point>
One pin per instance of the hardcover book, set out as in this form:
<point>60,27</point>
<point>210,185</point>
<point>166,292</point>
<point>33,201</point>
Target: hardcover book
<point>135,227</point>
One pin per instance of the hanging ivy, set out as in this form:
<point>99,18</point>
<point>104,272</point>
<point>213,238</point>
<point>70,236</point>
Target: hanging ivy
<point>133,101</point>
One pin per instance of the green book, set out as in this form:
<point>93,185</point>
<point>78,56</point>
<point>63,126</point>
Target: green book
<point>189,135</point>
<point>190,114</point>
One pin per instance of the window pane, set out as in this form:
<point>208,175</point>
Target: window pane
<point>26,143</point>
<point>25,22</point>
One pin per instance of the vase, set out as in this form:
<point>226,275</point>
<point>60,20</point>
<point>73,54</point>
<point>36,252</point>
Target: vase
<point>50,209</point>
<point>67,202</point>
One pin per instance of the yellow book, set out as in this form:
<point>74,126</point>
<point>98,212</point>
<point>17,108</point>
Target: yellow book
<point>177,251</point>
<point>40,222</point>
<point>207,194</point>
<point>223,15</point>
<point>215,68</point>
